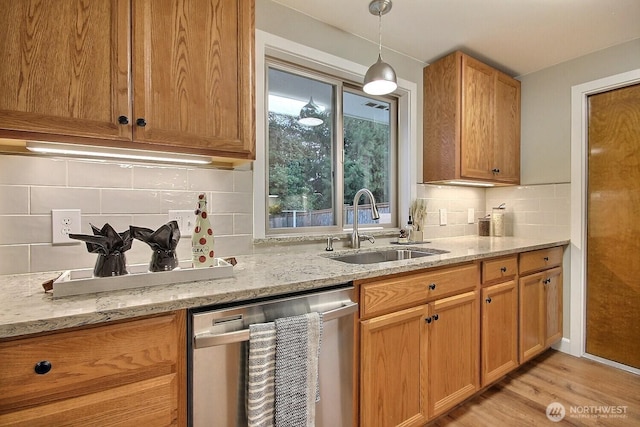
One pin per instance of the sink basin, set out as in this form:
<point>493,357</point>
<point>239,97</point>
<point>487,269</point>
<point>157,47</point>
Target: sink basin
<point>386,255</point>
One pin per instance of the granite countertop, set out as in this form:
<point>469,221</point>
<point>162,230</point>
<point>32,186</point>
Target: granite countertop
<point>26,309</point>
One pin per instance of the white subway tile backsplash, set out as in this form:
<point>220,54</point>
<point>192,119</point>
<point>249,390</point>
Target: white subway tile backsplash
<point>20,229</point>
<point>99,174</point>
<point>222,225</point>
<point>159,177</point>
<point>231,203</point>
<point>31,170</point>
<point>243,181</point>
<point>45,257</point>
<point>14,259</point>
<point>43,199</point>
<point>242,224</point>
<point>210,180</point>
<point>131,201</point>
<point>14,200</point>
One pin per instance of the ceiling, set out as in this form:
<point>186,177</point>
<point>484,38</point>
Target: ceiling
<point>518,36</point>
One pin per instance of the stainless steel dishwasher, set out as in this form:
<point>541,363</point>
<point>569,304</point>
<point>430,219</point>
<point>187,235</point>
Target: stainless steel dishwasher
<point>219,347</point>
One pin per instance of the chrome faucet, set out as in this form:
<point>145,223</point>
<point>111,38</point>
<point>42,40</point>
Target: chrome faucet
<point>355,237</point>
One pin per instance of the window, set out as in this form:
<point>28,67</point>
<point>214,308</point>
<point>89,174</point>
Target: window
<point>326,140</point>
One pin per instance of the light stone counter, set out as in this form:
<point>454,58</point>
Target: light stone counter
<point>281,269</point>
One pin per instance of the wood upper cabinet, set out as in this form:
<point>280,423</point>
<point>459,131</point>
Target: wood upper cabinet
<point>393,381</point>
<point>65,68</point>
<point>128,373</point>
<point>471,122</point>
<point>153,74</point>
<point>454,351</point>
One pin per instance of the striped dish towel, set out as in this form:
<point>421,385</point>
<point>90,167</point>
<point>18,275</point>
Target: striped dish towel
<point>262,363</point>
<point>296,377</point>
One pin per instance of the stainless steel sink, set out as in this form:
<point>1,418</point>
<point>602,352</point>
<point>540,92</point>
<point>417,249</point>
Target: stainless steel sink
<point>386,255</point>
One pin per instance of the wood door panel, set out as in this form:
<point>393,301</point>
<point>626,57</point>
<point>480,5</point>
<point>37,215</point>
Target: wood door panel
<point>553,297</point>
<point>532,316</point>
<point>65,67</point>
<point>193,73</point>
<point>393,369</point>
<point>613,203</point>
<point>506,149</point>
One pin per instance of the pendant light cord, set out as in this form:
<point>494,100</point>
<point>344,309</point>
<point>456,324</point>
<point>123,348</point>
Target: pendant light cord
<point>380,33</point>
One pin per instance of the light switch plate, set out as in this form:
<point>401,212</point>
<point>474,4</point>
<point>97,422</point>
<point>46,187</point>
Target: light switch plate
<point>471,216</point>
<point>63,223</point>
<point>443,217</point>
<point>186,221</point>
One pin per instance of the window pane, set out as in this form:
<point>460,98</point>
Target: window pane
<point>301,190</point>
<point>368,155</point>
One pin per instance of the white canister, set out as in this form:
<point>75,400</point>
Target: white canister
<point>497,221</point>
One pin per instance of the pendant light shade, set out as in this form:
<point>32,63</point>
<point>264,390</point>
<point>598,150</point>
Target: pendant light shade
<point>381,77</point>
<point>310,114</point>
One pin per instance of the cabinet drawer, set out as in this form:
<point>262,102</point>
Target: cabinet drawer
<point>499,269</point>
<point>540,260</point>
<point>88,360</point>
<point>399,292</point>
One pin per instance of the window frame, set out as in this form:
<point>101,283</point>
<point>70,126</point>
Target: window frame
<point>337,157</point>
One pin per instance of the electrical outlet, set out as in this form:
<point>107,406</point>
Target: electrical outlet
<point>471,216</point>
<point>186,220</point>
<point>63,223</point>
<point>443,217</point>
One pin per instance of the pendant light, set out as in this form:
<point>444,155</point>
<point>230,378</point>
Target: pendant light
<point>381,77</point>
<point>310,114</point>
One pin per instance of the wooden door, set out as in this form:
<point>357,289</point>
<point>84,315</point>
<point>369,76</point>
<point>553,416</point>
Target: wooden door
<point>613,226</point>
<point>454,349</point>
<point>499,330</point>
<point>506,134</point>
<point>476,131</point>
<point>393,378</point>
<point>193,75</point>
<point>553,302</point>
<point>64,69</point>
<point>532,315</point>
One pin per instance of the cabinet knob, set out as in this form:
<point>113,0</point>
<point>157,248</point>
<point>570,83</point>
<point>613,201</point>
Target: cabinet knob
<point>42,367</point>
<point>495,170</point>
<point>503,269</point>
<point>546,258</point>
<point>428,320</point>
<point>141,122</point>
<point>123,120</point>
<point>488,300</point>
<point>435,317</point>
<point>432,286</point>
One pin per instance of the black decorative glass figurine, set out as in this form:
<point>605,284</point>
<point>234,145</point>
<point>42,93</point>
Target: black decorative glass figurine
<point>110,247</point>
<point>163,242</point>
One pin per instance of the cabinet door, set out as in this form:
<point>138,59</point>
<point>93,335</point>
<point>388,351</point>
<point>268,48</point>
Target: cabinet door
<point>553,299</point>
<point>499,330</point>
<point>65,68</point>
<point>454,351</point>
<point>506,135</point>
<point>193,75</point>
<point>477,119</point>
<point>393,377</point>
<point>532,316</point>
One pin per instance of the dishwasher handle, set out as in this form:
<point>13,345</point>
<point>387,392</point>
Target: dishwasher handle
<point>210,340</point>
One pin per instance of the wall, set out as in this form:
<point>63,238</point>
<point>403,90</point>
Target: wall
<point>546,109</point>
<point>121,194</point>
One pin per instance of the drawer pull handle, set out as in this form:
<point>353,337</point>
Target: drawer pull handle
<point>495,170</point>
<point>435,317</point>
<point>428,320</point>
<point>488,300</point>
<point>546,258</point>
<point>432,286</point>
<point>503,269</point>
<point>42,367</point>
<point>546,281</point>
<point>141,122</point>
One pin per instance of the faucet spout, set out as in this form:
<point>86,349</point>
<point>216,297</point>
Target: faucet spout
<point>355,237</point>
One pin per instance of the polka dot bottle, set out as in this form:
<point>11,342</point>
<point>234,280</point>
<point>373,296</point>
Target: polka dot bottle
<point>202,240</point>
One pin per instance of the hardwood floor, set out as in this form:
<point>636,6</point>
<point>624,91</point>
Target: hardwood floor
<point>582,386</point>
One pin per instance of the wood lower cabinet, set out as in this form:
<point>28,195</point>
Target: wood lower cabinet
<point>499,330</point>
<point>152,74</point>
<point>393,377</point>
<point>128,373</point>
<point>540,301</point>
<point>454,351</point>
